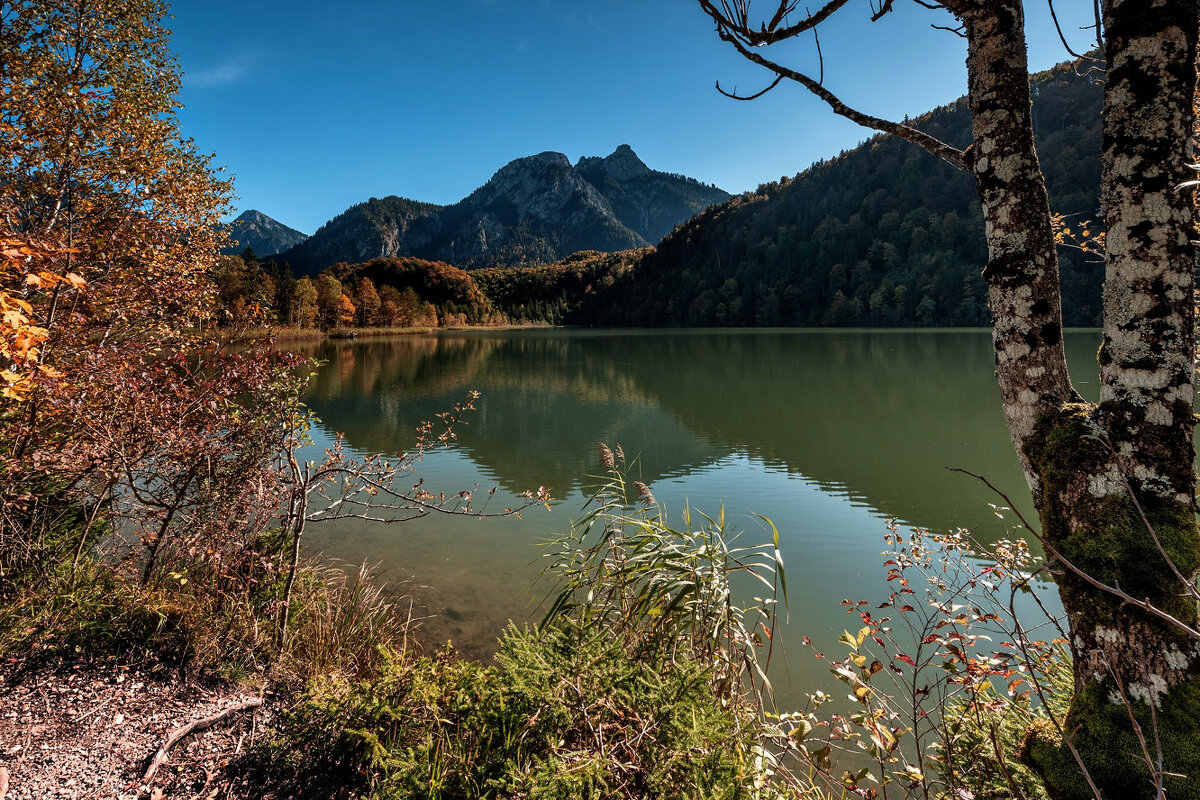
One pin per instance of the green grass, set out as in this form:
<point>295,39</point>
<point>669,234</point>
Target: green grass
<point>564,712</point>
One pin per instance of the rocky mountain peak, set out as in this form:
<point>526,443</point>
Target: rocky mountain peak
<point>621,164</point>
<point>265,236</point>
<point>551,157</point>
<point>540,186</point>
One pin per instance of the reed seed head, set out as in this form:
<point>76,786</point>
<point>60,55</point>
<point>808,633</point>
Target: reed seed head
<point>606,456</point>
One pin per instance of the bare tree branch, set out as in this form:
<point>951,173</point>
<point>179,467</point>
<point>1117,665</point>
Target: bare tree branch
<point>735,96</point>
<point>951,155</point>
<point>820,57</point>
<point>191,727</point>
<point>883,9</point>
<point>1063,38</point>
<point>959,31</point>
<point>737,18</point>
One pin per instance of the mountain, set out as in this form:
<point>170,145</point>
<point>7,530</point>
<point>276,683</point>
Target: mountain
<point>534,210</point>
<point>883,235</point>
<point>264,235</point>
<point>647,201</point>
<point>379,228</point>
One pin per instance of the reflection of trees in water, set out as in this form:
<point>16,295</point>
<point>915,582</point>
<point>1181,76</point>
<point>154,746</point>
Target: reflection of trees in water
<point>546,401</point>
<point>875,414</point>
<point>407,364</point>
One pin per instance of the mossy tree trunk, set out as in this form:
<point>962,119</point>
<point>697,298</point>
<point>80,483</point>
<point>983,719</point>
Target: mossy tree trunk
<point>1113,483</point>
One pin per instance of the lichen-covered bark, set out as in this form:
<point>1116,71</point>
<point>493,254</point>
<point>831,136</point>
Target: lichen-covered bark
<point>1022,269</point>
<point>1094,461</point>
<point>1083,461</point>
<point>1147,360</point>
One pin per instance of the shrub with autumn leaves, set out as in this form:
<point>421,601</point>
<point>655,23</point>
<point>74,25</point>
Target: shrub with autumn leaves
<point>124,423</point>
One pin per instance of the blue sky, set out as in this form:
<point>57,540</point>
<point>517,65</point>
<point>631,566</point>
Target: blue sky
<point>314,106</point>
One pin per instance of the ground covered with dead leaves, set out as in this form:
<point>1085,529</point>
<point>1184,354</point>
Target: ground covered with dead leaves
<point>86,731</point>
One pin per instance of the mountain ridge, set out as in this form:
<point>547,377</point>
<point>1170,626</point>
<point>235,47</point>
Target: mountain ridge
<point>534,210</point>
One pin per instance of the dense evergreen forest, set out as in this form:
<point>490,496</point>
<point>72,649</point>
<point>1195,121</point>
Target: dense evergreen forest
<point>882,235</point>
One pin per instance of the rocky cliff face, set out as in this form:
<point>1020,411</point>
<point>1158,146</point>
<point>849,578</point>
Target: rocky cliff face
<point>380,227</point>
<point>264,235</point>
<point>647,201</point>
<point>536,209</point>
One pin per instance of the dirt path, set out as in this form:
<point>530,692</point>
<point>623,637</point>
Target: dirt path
<point>90,732</point>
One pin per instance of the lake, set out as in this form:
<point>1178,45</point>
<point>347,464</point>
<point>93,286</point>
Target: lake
<point>827,433</point>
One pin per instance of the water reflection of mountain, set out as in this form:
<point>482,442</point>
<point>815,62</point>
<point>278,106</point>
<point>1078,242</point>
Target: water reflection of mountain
<point>874,414</point>
<point>545,402</point>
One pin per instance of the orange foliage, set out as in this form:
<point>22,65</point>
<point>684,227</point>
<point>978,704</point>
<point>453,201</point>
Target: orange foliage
<point>108,244</point>
<point>345,310</point>
<point>21,338</point>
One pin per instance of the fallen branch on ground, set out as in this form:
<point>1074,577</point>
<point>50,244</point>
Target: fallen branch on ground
<point>192,727</point>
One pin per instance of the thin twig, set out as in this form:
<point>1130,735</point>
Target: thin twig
<point>947,153</point>
<point>1062,37</point>
<point>746,97</point>
<point>1120,594</point>
<point>772,32</point>
<point>1070,742</point>
<point>1137,729</point>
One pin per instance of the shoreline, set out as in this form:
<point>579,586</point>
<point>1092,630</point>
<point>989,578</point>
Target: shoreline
<point>289,334</point>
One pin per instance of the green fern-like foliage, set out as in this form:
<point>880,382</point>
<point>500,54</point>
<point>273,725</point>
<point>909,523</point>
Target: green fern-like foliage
<point>563,712</point>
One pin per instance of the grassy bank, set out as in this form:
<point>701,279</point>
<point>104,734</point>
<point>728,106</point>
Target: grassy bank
<point>590,704</point>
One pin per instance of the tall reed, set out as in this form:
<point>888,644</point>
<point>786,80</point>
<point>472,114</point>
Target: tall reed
<point>624,568</point>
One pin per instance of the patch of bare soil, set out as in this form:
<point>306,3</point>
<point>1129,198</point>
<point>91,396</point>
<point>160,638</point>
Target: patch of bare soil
<point>92,731</point>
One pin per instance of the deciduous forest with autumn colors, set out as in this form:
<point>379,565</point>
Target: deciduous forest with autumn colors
<point>206,497</point>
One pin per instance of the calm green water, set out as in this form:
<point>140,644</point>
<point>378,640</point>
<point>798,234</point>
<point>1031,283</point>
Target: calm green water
<point>827,433</point>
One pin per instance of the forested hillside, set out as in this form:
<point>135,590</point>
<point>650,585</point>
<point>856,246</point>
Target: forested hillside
<point>376,228</point>
<point>448,289</point>
<point>580,287</point>
<point>882,235</point>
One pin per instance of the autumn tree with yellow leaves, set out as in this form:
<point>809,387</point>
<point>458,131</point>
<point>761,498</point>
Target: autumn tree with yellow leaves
<point>119,411</point>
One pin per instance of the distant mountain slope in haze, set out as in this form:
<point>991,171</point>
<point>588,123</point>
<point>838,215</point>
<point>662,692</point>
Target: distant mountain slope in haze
<point>534,210</point>
<point>885,234</point>
<point>264,235</point>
